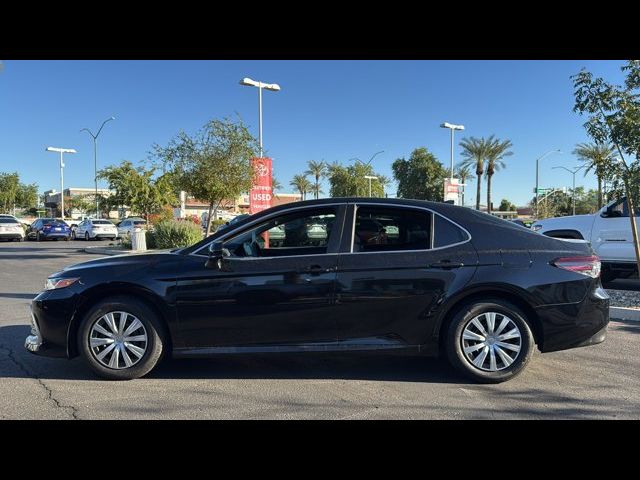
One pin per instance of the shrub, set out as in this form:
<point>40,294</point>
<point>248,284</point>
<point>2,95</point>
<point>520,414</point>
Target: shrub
<point>193,218</point>
<point>175,233</point>
<point>151,239</point>
<point>164,215</point>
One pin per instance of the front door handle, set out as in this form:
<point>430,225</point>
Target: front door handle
<point>446,264</point>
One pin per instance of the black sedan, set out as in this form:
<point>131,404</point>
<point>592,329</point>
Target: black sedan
<point>433,278</point>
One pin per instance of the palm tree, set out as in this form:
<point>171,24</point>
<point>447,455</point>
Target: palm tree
<point>317,170</point>
<point>275,185</point>
<point>597,158</point>
<point>474,152</point>
<point>496,151</point>
<point>302,184</point>
<point>464,173</point>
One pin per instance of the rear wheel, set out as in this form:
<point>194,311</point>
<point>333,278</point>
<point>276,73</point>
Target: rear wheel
<point>121,338</point>
<point>86,236</point>
<point>38,238</point>
<point>489,341</point>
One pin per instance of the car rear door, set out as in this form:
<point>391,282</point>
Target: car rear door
<point>391,281</point>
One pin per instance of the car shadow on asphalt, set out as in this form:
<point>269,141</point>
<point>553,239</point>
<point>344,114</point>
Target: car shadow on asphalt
<point>630,326</point>
<point>16,362</point>
<point>27,296</point>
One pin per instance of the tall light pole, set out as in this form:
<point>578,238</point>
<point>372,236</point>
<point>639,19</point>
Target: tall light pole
<point>573,191</point>
<point>538,175</point>
<point>95,157</point>
<point>451,127</point>
<point>274,87</point>
<point>370,177</point>
<point>61,151</point>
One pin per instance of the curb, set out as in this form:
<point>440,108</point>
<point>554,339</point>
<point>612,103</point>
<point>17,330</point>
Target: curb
<point>626,314</point>
<point>107,251</point>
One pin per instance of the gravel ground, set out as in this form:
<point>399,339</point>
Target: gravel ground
<point>624,298</point>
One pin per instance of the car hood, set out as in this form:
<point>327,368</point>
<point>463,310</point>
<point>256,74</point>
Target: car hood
<point>127,259</point>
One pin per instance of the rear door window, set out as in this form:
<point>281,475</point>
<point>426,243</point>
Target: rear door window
<point>383,229</point>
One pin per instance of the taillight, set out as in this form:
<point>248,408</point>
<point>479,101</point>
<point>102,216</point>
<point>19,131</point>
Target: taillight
<point>587,265</point>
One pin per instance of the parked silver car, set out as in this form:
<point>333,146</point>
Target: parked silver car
<point>96,229</point>
<point>11,228</point>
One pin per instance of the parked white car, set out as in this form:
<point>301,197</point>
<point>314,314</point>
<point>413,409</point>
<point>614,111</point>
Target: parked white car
<point>11,228</point>
<point>608,231</point>
<point>94,229</point>
<point>127,226</point>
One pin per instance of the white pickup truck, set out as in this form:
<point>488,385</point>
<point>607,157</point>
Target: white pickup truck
<point>608,231</point>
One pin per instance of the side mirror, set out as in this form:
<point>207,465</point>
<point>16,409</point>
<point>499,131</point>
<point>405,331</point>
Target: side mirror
<point>216,253</point>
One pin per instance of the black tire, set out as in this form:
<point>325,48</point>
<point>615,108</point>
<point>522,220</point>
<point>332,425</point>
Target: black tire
<point>454,341</point>
<point>155,338</point>
<point>73,234</point>
<point>86,236</point>
<point>38,237</point>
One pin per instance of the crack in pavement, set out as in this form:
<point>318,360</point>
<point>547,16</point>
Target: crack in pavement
<point>25,370</point>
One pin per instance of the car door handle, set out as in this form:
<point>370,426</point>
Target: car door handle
<point>317,269</point>
<point>446,264</point>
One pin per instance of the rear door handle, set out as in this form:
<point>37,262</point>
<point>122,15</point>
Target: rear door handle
<point>446,264</point>
<point>317,269</point>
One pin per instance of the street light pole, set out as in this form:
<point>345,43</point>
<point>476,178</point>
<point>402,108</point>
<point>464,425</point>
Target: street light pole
<point>62,151</point>
<point>370,177</point>
<point>95,158</point>
<point>538,175</point>
<point>274,87</point>
<point>573,191</point>
<point>451,127</point>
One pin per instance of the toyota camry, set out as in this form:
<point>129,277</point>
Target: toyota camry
<point>386,274</point>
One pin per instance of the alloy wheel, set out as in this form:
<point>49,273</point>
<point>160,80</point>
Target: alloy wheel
<point>118,340</point>
<point>491,341</point>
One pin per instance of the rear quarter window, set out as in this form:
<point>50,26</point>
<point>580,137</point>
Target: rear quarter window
<point>446,233</point>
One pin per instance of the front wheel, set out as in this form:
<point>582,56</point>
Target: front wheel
<point>86,236</point>
<point>121,338</point>
<point>489,341</point>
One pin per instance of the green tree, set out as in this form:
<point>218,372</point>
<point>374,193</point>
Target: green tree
<point>496,151</point>
<point>318,170</point>
<point>27,196</point>
<point>350,181</point>
<point>81,203</point>
<point>420,176</point>
<point>302,184</point>
<point>464,174</point>
<point>275,184</point>
<point>139,188</point>
<point>507,206</point>
<point>614,118</point>
<point>597,158</point>
<point>212,165</point>
<point>14,193</point>
<point>474,154</point>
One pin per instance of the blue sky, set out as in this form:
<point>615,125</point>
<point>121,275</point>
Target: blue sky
<point>332,110</point>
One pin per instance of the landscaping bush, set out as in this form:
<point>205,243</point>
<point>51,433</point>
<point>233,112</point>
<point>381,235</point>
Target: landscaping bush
<point>175,234</point>
<point>151,239</point>
<point>163,215</point>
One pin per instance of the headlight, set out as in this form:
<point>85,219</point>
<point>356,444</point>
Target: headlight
<point>535,228</point>
<point>55,283</point>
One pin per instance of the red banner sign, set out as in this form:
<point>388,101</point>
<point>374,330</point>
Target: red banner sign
<point>261,194</point>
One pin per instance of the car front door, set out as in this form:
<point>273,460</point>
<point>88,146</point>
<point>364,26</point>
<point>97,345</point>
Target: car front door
<point>264,296</point>
<point>397,266</point>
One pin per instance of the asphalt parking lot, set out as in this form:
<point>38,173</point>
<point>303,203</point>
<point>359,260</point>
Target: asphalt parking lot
<point>595,382</point>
